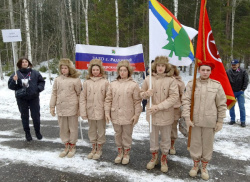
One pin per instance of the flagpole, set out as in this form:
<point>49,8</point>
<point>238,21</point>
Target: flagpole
<point>150,99</point>
<point>192,104</point>
<point>150,80</point>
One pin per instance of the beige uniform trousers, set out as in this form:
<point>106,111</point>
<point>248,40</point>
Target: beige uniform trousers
<point>68,128</point>
<point>96,133</point>
<point>177,115</point>
<point>123,135</point>
<point>165,144</point>
<point>201,147</point>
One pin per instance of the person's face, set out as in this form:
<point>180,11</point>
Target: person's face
<point>123,72</point>
<point>205,72</point>
<point>160,68</point>
<point>25,63</point>
<point>65,70</point>
<point>235,66</point>
<point>95,71</point>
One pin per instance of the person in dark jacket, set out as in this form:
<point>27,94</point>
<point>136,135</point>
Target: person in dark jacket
<point>238,78</point>
<point>30,80</point>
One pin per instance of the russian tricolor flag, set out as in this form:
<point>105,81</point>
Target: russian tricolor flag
<point>110,56</point>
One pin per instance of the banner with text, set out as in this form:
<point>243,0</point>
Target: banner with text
<point>110,56</point>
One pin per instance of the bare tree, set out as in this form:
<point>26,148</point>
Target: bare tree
<point>72,23</point>
<point>63,30</point>
<point>36,32</point>
<point>1,70</point>
<point>175,8</point>
<point>117,23</point>
<point>195,23</point>
<point>233,17</point>
<point>27,29</point>
<point>12,25</point>
<point>85,9</point>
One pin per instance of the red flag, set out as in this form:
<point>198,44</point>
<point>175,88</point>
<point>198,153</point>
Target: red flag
<point>206,51</point>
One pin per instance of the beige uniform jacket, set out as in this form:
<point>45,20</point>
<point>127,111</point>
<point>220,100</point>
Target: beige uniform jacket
<point>165,96</point>
<point>92,98</point>
<point>65,95</point>
<point>209,103</point>
<point>181,88</point>
<point>123,101</point>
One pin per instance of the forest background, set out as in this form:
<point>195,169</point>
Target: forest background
<point>50,29</point>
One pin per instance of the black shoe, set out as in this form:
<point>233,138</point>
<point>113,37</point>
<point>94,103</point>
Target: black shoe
<point>243,124</point>
<point>38,135</point>
<point>231,122</point>
<point>28,136</point>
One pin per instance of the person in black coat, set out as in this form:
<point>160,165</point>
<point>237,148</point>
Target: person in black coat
<point>28,83</point>
<point>238,79</point>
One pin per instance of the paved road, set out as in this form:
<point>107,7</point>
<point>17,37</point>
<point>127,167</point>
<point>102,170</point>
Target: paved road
<point>221,168</point>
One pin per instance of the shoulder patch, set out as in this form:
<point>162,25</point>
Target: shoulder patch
<point>215,81</point>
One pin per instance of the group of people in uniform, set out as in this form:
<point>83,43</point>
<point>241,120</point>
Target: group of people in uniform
<point>100,102</point>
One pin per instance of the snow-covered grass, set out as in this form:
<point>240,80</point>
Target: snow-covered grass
<point>232,141</point>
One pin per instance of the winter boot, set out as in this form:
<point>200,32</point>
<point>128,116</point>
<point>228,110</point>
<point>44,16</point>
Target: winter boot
<point>126,156</point>
<point>118,159</point>
<point>72,150</point>
<point>28,136</point>
<point>93,151</point>
<point>172,148</point>
<point>193,172</point>
<point>98,152</point>
<point>204,172</point>
<point>39,135</point>
<point>164,165</point>
<point>66,150</point>
<point>154,161</point>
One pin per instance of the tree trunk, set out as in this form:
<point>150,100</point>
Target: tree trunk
<point>41,31</point>
<point>175,8</point>
<point>36,32</point>
<point>72,23</point>
<point>117,23</point>
<point>233,17</point>
<point>228,21</point>
<point>195,22</point>
<point>12,25</point>
<point>85,10</point>
<point>63,30</point>
<point>27,31</point>
<point>1,70</point>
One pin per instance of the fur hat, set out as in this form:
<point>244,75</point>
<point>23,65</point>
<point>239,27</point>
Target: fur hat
<point>72,71</point>
<point>95,62</point>
<point>176,71</point>
<point>126,64</point>
<point>163,60</point>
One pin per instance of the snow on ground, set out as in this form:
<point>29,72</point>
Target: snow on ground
<point>232,141</point>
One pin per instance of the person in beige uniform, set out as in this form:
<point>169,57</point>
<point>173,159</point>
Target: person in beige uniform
<point>123,108</point>
<point>65,97</point>
<point>164,94</point>
<point>209,110</point>
<point>177,109</point>
<point>92,100</point>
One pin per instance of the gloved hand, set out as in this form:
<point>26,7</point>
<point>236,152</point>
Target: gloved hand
<point>218,126</point>
<point>134,120</point>
<point>84,117</point>
<point>52,112</point>
<point>107,117</point>
<point>189,123</point>
<point>153,109</point>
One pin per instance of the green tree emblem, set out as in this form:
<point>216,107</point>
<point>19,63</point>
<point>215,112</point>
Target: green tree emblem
<point>180,45</point>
